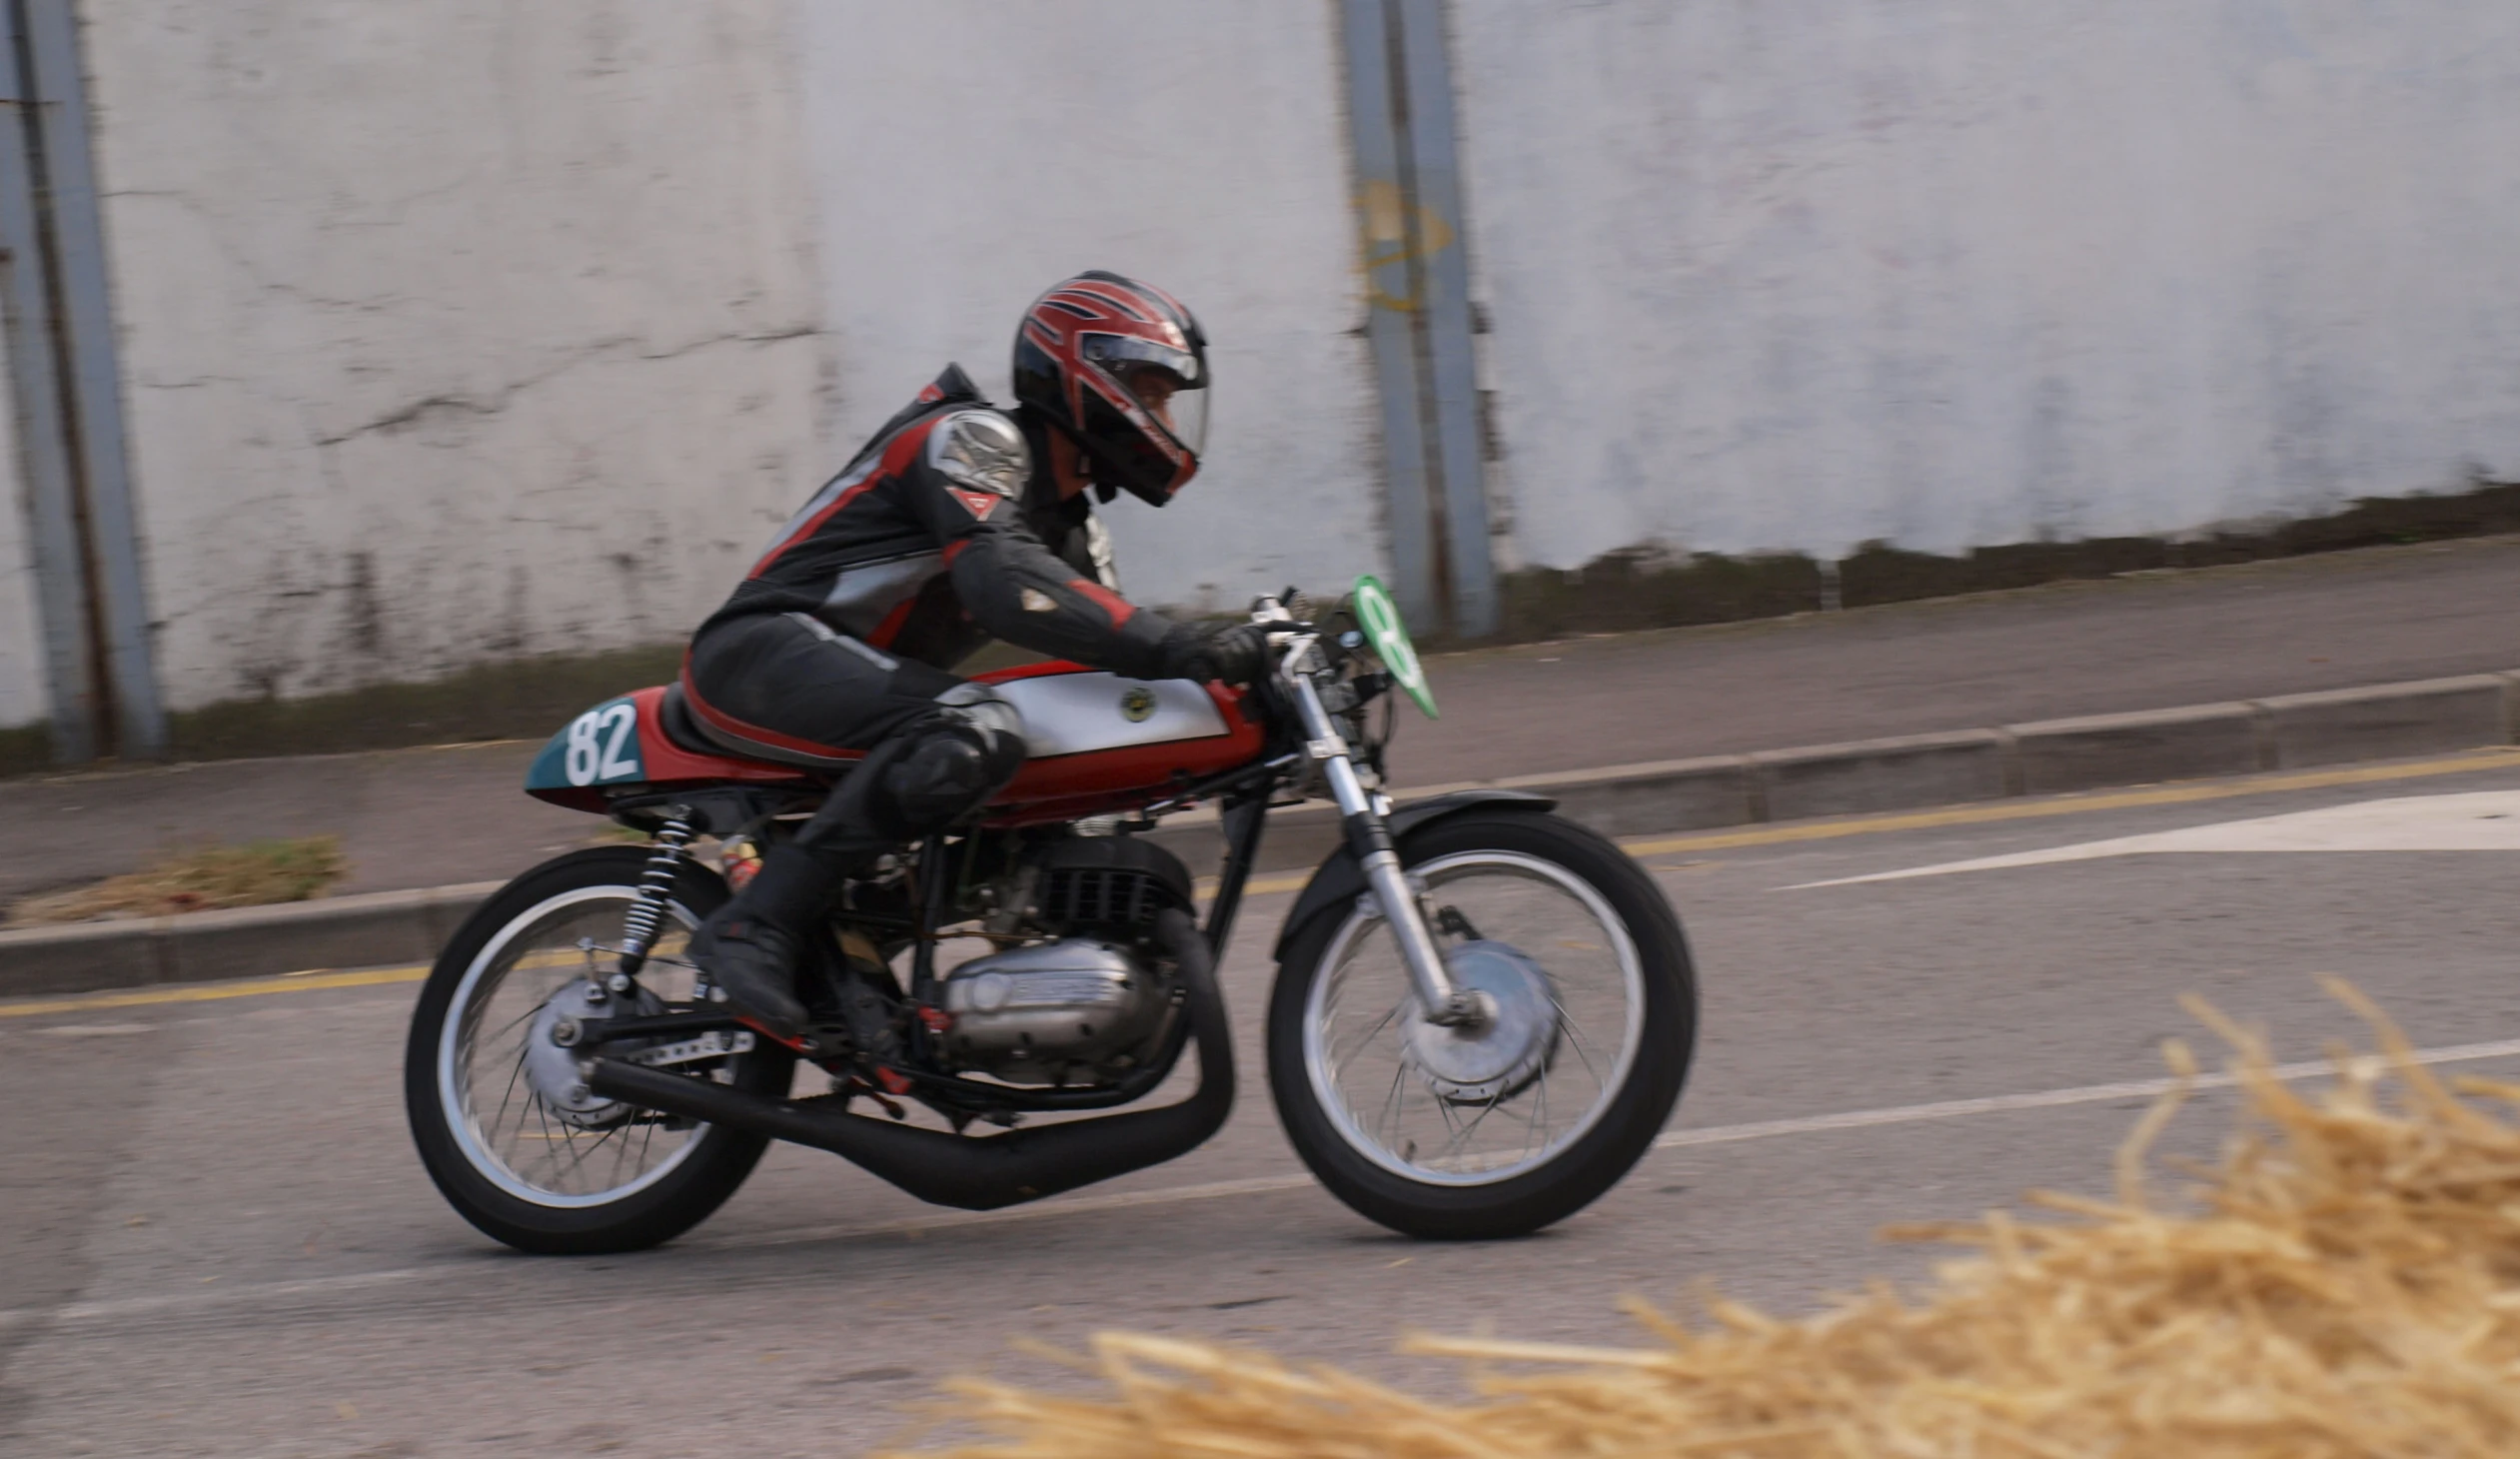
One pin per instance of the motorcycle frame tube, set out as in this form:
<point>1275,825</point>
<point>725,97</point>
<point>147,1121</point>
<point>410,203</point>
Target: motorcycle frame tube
<point>1370,839</point>
<point>1244,816</point>
<point>933,886</point>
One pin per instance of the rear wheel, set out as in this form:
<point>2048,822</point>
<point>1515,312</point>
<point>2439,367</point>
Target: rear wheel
<point>513,1143</point>
<point>1500,1129</point>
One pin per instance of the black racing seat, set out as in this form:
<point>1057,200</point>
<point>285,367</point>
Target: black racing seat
<point>691,732</point>
<point>674,718</point>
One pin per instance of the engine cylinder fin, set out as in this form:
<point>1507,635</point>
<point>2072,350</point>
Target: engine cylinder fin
<point>1110,883</point>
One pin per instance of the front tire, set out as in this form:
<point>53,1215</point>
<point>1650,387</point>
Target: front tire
<point>1397,1123</point>
<point>531,1174</point>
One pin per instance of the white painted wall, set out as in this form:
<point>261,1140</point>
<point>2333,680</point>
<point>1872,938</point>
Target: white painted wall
<point>1794,274</point>
<point>967,154</point>
<point>451,332</point>
<point>480,330</point>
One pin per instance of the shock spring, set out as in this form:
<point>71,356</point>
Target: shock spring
<point>646,915</point>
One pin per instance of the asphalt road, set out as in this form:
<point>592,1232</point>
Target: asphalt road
<point>217,1241</point>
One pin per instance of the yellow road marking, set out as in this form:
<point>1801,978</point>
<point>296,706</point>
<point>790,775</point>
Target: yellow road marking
<point>1260,885</point>
<point>212,992</point>
<point>1763,836</point>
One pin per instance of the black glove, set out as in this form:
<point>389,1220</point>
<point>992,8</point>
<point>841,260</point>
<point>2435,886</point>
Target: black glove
<point>1235,653</point>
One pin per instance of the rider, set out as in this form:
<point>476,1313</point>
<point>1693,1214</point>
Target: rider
<point>956,524</point>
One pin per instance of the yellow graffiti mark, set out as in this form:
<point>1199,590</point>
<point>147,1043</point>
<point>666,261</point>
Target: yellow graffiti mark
<point>1384,216</point>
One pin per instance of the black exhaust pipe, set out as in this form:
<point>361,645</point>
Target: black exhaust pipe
<point>983,1172</point>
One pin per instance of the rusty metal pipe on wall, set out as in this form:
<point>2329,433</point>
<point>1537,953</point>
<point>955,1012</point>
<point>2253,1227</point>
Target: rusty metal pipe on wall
<point>67,393</point>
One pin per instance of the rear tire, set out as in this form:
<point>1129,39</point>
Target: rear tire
<point>490,947</point>
<point>1380,1177</point>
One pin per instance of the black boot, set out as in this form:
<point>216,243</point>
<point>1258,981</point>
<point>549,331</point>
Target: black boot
<point>752,947</point>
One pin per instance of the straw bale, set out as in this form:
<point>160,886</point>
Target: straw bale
<point>2344,1282</point>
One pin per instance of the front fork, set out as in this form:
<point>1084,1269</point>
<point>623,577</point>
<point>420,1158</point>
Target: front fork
<point>1447,1004</point>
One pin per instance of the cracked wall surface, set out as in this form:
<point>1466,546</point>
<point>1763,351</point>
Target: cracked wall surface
<point>453,332</point>
<point>968,154</point>
<point>1797,273</point>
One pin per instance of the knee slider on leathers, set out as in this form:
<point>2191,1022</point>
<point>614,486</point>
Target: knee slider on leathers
<point>957,760</point>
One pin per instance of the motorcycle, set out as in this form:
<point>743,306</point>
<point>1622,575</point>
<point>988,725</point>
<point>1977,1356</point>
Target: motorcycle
<point>1483,1014</point>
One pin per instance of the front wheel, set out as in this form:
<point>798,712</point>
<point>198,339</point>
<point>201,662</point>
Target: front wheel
<point>513,1142</point>
<point>1527,1117</point>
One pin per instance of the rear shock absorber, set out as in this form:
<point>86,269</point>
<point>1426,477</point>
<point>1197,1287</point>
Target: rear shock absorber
<point>647,917</point>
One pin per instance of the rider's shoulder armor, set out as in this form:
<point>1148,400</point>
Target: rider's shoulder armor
<point>1098,552</point>
<point>981,450</point>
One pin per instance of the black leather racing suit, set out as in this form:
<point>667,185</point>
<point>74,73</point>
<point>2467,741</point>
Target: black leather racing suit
<point>938,537</point>
<point>836,650</point>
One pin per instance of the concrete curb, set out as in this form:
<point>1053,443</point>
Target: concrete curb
<point>2378,721</point>
<point>370,931</point>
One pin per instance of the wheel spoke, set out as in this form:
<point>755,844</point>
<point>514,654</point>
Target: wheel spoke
<point>1475,1121</point>
<point>1392,1101</point>
<point>1336,1064</point>
<point>1452,1123</point>
<point>513,1074</point>
<point>511,1023</point>
<point>1576,1041</point>
<point>542,1116</point>
<point>577,1160</point>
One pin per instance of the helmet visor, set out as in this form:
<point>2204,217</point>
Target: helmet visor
<point>1168,384</point>
<point>1183,412</point>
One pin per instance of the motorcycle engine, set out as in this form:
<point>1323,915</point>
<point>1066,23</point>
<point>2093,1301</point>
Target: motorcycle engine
<point>1085,1003</point>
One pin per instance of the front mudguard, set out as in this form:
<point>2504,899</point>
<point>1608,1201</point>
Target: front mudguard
<point>1340,880</point>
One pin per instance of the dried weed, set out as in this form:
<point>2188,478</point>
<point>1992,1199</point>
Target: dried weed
<point>2349,1284</point>
<point>254,874</point>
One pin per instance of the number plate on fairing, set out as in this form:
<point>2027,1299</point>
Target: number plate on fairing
<point>600,747</point>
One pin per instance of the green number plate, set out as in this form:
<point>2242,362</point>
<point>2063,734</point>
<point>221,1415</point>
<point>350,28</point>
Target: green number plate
<point>1379,617</point>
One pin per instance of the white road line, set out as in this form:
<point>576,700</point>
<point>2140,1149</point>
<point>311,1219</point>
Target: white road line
<point>258,1292</point>
<point>2477,820</point>
<point>121,1307</point>
<point>2044,1099</point>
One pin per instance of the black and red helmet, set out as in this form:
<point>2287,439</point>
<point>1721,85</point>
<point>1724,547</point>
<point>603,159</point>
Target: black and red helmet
<point>1121,368</point>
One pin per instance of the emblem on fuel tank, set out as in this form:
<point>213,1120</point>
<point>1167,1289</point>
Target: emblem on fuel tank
<point>1138,703</point>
